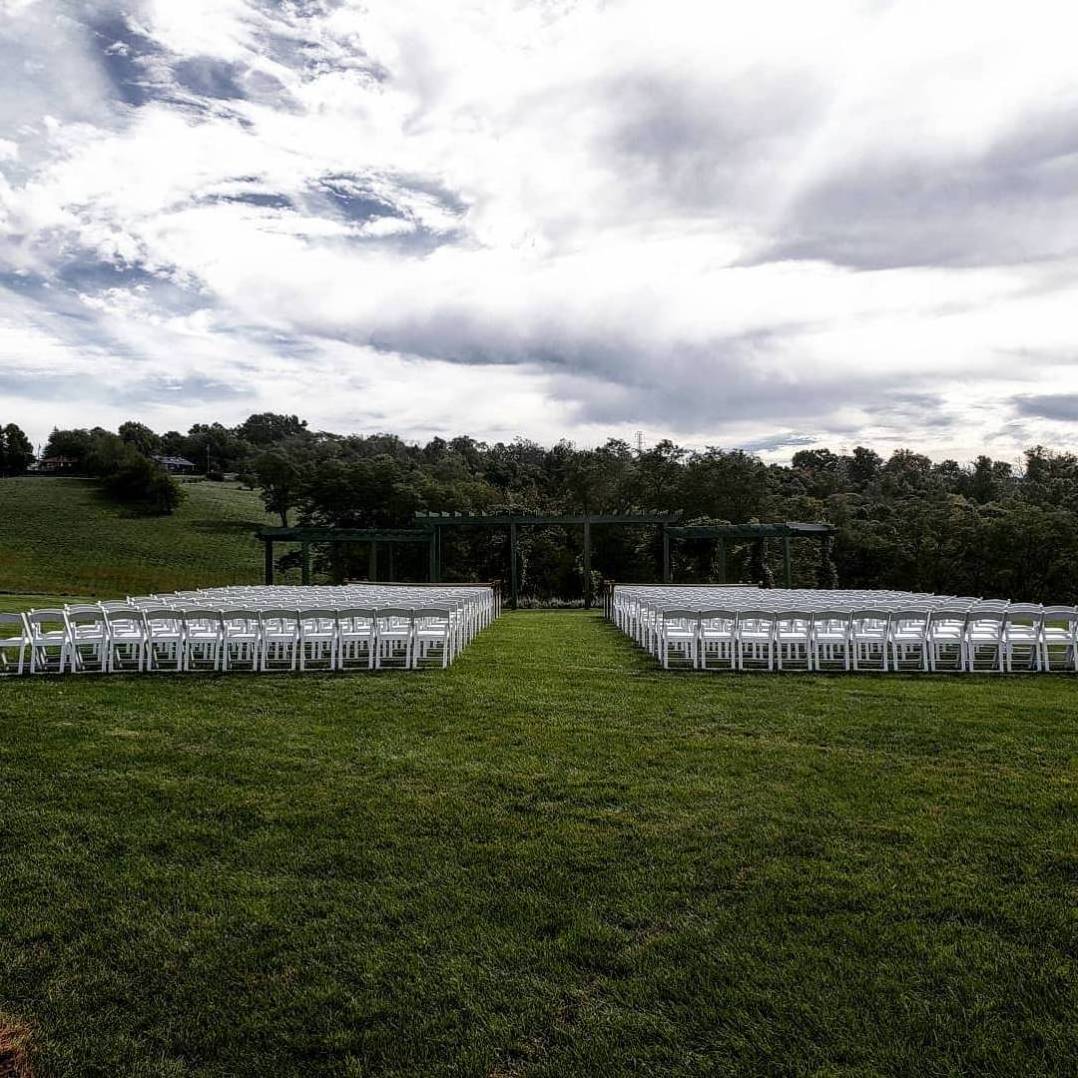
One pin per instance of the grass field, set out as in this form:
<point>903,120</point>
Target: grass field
<point>552,859</point>
<point>65,536</point>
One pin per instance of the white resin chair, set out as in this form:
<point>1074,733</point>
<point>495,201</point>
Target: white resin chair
<point>831,640</point>
<point>908,638</point>
<point>318,638</point>
<point>755,639</point>
<point>1059,638</point>
<point>50,641</point>
<point>280,639</point>
<point>717,636</point>
<point>14,637</point>
<point>985,648</point>
<point>202,635</point>
<point>356,637</point>
<point>1022,626</point>
<point>947,638</point>
<point>793,639</point>
<point>126,637</point>
<point>241,639</point>
<point>394,636</point>
<point>869,637</point>
<point>165,640</point>
<point>677,632</point>
<point>433,631</point>
<point>88,635</point>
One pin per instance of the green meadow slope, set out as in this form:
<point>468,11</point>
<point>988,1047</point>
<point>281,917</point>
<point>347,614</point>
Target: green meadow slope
<point>64,536</point>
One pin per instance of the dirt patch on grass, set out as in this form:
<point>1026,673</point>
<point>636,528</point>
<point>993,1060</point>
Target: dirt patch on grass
<point>14,1048</point>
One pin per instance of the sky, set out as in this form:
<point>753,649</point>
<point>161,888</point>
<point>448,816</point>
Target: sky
<point>768,226</point>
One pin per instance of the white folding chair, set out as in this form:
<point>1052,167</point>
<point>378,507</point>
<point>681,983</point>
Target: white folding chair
<point>280,639</point>
<point>869,629</point>
<point>433,630</point>
<point>793,639</point>
<point>165,640</point>
<point>241,638</point>
<point>1059,638</point>
<point>394,636</point>
<point>717,636</point>
<point>202,635</point>
<point>127,637</point>
<point>908,637</point>
<point>755,642</point>
<point>947,637</point>
<point>831,639</point>
<point>50,641</point>
<point>985,649</point>
<point>1022,635</point>
<point>318,637</point>
<point>88,633</point>
<point>356,637</point>
<point>677,632</point>
<point>14,636</point>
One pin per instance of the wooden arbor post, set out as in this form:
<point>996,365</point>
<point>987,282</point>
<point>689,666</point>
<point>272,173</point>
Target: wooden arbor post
<point>305,562</point>
<point>513,584</point>
<point>587,563</point>
<point>432,555</point>
<point>668,575</point>
<point>268,545</point>
<point>786,561</point>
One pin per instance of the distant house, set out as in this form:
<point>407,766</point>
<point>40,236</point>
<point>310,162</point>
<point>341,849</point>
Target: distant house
<point>176,465</point>
<point>54,466</point>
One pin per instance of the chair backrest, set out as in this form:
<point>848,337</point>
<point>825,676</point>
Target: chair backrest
<point>954,615</point>
<point>910,617</point>
<point>432,612</point>
<point>243,614</point>
<point>162,615</point>
<point>1068,615</point>
<point>193,616</point>
<point>40,620</point>
<point>680,614</point>
<point>717,614</point>
<point>830,617</point>
<point>18,620</point>
<point>1024,614</point>
<point>280,614</point>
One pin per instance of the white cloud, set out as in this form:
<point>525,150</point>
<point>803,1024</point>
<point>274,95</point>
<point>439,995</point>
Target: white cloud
<point>846,218</point>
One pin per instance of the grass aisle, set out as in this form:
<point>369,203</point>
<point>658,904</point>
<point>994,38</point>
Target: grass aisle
<point>552,859</point>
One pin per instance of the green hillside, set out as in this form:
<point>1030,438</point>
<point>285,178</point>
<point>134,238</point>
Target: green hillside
<point>65,536</point>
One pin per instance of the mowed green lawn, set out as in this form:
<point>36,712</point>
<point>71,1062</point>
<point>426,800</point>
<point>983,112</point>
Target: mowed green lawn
<point>64,535</point>
<point>552,859</point>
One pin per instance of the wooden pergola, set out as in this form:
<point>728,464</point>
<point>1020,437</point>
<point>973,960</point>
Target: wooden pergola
<point>436,522</point>
<point>374,537</point>
<point>757,533</point>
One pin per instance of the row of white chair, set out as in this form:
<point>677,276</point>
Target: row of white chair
<point>180,633</point>
<point>895,633</point>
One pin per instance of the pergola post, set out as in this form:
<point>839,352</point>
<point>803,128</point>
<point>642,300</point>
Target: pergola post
<point>432,556</point>
<point>722,560</point>
<point>305,562</point>
<point>372,561</point>
<point>392,571</point>
<point>668,576</point>
<point>268,544</point>
<point>513,565</point>
<point>587,564</point>
<point>786,561</point>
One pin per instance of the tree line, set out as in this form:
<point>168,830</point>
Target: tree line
<point>985,528</point>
